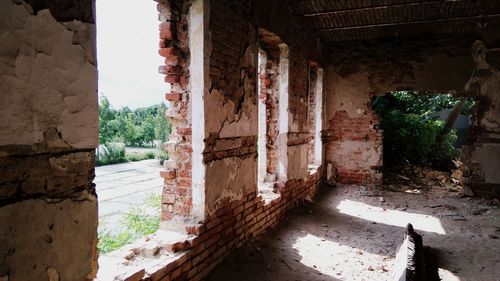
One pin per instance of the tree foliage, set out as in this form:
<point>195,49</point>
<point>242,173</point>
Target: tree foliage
<point>424,105</point>
<point>137,127</point>
<point>411,128</point>
<point>106,124</point>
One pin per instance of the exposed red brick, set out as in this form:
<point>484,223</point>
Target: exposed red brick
<point>168,174</point>
<point>173,96</point>
<point>166,34</point>
<point>169,52</point>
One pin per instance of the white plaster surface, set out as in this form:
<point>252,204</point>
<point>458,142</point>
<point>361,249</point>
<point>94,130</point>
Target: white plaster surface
<point>298,164</point>
<point>237,125</point>
<point>230,179</point>
<point>46,79</point>
<point>261,140</point>
<point>198,27</point>
<point>347,94</point>
<point>284,114</point>
<point>318,119</point>
<point>370,154</point>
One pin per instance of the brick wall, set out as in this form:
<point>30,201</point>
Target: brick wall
<point>174,47</point>
<point>234,210</point>
<point>230,36</point>
<point>228,228</point>
<point>269,94</point>
<point>353,146</point>
<point>298,89</point>
<point>359,71</point>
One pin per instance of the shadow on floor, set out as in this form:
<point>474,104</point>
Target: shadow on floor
<point>318,242</point>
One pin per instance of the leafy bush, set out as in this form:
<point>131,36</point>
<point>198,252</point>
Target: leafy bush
<point>139,156</point>
<point>410,131</point>
<point>150,155</point>
<point>111,153</point>
<point>161,155</point>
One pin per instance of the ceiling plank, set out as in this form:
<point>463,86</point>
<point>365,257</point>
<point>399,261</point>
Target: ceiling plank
<point>379,7</point>
<point>354,27</point>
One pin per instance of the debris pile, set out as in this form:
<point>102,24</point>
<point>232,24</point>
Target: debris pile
<point>415,179</point>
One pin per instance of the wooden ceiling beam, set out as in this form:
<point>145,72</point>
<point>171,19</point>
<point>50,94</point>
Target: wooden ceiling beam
<point>326,29</point>
<point>379,7</point>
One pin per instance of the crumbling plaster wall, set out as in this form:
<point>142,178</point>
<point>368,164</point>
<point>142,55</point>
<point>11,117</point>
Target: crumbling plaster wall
<point>231,98</point>
<point>48,119</point>
<point>482,155</point>
<point>303,48</point>
<point>353,142</point>
<point>298,127</point>
<point>359,71</point>
<point>231,105</point>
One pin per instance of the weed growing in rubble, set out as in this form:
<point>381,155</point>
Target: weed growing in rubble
<point>140,223</point>
<point>136,224</point>
<point>153,200</point>
<point>109,242</point>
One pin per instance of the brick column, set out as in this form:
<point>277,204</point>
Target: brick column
<point>174,47</point>
<point>268,95</point>
<point>311,114</point>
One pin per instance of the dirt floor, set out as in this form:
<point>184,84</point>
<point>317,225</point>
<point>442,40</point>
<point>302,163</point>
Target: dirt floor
<point>346,235</point>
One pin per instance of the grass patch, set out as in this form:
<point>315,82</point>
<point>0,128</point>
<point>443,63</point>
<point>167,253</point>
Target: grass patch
<point>109,242</point>
<point>139,156</point>
<point>140,223</point>
<point>153,200</point>
<point>136,223</point>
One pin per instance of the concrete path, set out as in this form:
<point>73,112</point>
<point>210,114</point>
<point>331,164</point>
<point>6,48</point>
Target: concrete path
<point>122,187</point>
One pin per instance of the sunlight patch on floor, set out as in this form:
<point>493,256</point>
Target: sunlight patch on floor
<point>391,217</point>
<point>341,261</point>
<point>446,275</point>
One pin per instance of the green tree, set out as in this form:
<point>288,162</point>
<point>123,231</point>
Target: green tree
<point>106,117</point>
<point>148,129</point>
<point>411,129</point>
<point>163,127</point>
<point>133,134</point>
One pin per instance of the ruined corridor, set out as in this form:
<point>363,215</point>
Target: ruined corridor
<point>273,134</point>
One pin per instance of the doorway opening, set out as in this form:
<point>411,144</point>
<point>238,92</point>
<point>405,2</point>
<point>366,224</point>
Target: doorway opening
<point>423,135</point>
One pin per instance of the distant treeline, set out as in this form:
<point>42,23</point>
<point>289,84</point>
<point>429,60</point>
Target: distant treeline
<point>137,127</point>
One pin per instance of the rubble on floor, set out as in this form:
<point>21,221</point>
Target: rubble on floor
<point>345,235</point>
<point>414,179</point>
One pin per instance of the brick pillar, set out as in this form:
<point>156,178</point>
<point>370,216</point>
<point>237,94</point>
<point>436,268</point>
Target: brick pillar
<point>311,114</point>
<point>268,94</point>
<point>174,47</point>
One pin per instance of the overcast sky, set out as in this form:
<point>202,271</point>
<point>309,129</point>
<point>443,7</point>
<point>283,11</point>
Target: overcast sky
<point>127,51</point>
